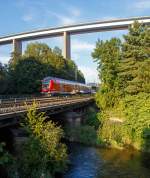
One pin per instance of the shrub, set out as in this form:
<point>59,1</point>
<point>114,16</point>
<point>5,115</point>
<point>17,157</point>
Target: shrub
<point>134,129</point>
<point>43,153</point>
<point>84,134</point>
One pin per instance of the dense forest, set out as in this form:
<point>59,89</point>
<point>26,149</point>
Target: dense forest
<point>23,74</point>
<point>124,94</point>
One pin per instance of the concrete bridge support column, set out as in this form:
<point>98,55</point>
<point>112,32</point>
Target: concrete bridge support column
<point>77,121</point>
<point>17,46</point>
<point>20,137</point>
<point>73,119</point>
<point>67,49</point>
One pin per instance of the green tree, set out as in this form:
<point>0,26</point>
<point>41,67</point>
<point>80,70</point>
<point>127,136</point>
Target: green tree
<point>43,153</point>
<point>26,76</point>
<point>3,79</point>
<point>63,68</point>
<point>124,95</point>
<point>136,56</point>
<point>57,51</point>
<point>6,162</point>
<point>40,51</point>
<point>108,55</point>
<point>15,57</point>
<point>2,73</point>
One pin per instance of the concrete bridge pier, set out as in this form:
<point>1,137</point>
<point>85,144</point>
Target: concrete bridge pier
<point>13,139</point>
<point>73,119</point>
<point>67,48</point>
<point>17,47</point>
<point>19,137</point>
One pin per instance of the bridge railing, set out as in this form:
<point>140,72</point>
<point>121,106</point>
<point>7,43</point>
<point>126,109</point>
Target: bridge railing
<point>19,105</point>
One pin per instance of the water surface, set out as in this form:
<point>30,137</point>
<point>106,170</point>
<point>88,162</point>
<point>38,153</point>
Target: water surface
<point>89,162</point>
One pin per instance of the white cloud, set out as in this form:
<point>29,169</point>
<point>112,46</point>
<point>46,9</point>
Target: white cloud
<point>108,18</point>
<point>142,4</point>
<point>4,59</point>
<point>75,56</point>
<point>74,11</point>
<point>27,17</point>
<point>70,9</point>
<point>78,45</point>
<point>71,16</point>
<point>63,19</point>
<point>40,12</point>
<point>90,73</point>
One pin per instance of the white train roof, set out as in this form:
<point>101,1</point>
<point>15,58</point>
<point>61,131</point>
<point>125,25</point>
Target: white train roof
<point>64,81</point>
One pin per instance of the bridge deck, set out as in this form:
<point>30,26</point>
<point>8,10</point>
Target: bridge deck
<point>10,112</point>
<point>115,24</point>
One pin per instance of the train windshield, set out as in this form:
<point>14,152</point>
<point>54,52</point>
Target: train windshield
<point>45,84</point>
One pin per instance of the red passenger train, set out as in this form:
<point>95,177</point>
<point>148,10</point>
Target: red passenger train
<point>53,86</point>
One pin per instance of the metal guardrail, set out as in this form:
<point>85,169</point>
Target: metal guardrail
<point>9,97</point>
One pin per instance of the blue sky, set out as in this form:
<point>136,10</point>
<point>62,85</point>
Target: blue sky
<point>24,15</point>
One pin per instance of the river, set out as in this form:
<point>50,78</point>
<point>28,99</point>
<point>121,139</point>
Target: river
<point>90,162</point>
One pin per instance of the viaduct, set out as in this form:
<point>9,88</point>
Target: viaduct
<point>67,31</point>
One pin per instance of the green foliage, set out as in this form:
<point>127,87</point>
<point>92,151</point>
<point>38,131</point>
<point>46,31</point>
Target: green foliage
<point>91,118</point>
<point>5,158</point>
<point>146,139</point>
<point>136,111</point>
<point>107,55</point>
<point>136,57</point>
<point>43,153</point>
<point>26,76</point>
<point>84,134</point>
<point>124,94</point>
<point>3,79</point>
<point>7,163</point>
<point>63,68</point>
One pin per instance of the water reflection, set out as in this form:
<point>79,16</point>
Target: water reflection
<point>90,162</point>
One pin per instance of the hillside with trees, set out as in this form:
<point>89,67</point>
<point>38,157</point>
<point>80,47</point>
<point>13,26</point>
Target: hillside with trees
<point>23,74</point>
<point>124,95</point>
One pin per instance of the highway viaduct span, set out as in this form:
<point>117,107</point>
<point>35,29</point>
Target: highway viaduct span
<point>66,31</point>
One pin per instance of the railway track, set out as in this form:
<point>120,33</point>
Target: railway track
<point>23,101</point>
<point>22,105</point>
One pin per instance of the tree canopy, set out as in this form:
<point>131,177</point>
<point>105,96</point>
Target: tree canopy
<point>63,68</point>
<point>3,80</point>
<point>136,57</point>
<point>107,55</point>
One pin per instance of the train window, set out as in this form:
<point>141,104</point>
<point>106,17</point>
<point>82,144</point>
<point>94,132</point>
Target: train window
<point>45,85</point>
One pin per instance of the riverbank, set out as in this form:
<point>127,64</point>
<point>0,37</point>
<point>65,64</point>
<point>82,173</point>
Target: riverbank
<point>127,124</point>
<point>85,132</point>
<point>111,130</point>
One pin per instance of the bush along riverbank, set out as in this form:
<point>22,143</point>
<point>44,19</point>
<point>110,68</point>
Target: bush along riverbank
<point>42,154</point>
<point>124,94</point>
<point>127,124</point>
<point>86,132</point>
